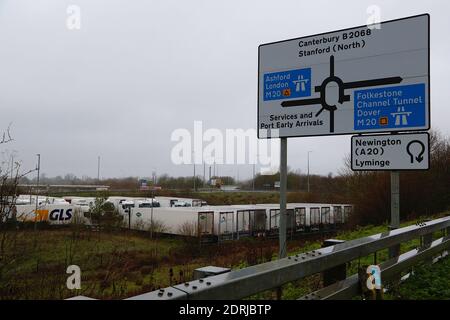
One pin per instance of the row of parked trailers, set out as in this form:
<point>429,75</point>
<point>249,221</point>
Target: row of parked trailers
<point>221,223</point>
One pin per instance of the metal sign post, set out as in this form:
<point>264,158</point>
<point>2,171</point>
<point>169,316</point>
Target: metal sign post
<point>283,187</point>
<point>395,199</point>
<point>395,209</point>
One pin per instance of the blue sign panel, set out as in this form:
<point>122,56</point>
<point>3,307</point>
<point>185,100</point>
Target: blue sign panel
<point>390,107</point>
<point>287,84</point>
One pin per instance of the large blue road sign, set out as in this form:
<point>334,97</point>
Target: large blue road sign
<point>390,107</point>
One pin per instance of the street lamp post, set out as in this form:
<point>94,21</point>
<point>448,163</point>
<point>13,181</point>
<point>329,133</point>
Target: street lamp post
<point>98,169</point>
<point>253,180</point>
<point>37,190</point>
<point>151,212</point>
<point>193,162</point>
<point>209,180</point>
<point>254,171</point>
<point>153,197</point>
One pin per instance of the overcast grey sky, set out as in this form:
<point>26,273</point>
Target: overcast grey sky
<point>137,70</point>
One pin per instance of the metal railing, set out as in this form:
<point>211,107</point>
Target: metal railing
<point>249,281</point>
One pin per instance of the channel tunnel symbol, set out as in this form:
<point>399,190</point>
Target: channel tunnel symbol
<point>342,86</point>
<point>419,157</point>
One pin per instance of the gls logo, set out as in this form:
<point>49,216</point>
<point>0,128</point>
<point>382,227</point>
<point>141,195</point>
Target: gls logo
<point>59,214</point>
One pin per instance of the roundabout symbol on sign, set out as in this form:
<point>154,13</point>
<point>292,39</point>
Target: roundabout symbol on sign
<point>342,96</point>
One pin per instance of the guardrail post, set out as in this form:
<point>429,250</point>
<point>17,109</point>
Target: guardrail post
<point>394,251</point>
<point>337,273</point>
<point>448,228</point>
<point>426,239</point>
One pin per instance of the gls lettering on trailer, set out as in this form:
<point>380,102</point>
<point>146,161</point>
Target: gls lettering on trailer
<point>60,214</point>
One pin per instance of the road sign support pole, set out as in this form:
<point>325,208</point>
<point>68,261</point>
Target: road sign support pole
<point>395,209</point>
<point>151,213</point>
<point>283,187</point>
<point>395,199</point>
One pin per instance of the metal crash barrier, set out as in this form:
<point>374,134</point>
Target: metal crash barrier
<point>243,283</point>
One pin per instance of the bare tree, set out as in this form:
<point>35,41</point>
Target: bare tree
<point>10,176</point>
<point>6,136</point>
